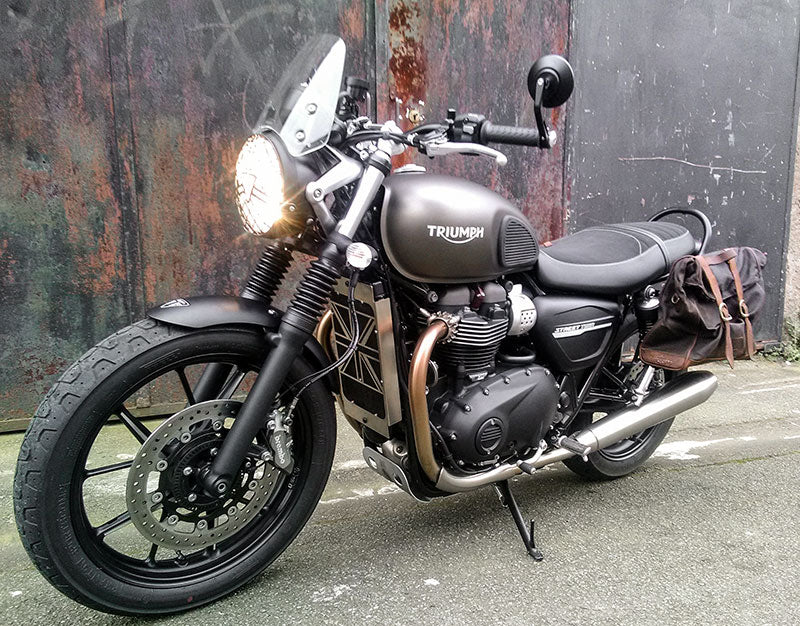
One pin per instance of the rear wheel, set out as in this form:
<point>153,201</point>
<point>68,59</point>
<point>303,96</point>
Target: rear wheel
<point>118,525</point>
<point>620,373</point>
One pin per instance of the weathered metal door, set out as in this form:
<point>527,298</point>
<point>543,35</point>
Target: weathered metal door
<point>474,56</point>
<point>120,122</point>
<point>681,103</point>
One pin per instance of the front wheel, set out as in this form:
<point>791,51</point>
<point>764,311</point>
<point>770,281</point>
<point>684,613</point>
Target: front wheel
<point>119,526</point>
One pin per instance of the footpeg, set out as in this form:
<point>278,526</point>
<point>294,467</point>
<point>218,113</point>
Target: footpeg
<point>568,443</point>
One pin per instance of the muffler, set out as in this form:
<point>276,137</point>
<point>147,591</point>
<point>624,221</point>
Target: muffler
<point>681,394</point>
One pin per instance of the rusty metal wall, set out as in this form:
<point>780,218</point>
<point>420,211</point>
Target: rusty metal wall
<point>474,56</point>
<point>119,125</point>
<point>120,121</point>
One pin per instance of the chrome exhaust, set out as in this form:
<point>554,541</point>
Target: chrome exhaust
<point>681,394</point>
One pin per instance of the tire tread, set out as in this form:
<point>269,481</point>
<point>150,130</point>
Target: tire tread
<point>53,412</point>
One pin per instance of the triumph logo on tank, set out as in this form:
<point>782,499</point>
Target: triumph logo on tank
<point>455,234</point>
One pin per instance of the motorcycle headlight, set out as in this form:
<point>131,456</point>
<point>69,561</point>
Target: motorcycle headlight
<point>259,185</point>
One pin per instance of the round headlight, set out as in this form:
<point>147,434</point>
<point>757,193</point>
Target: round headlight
<point>259,185</point>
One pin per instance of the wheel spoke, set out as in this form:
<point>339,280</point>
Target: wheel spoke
<point>151,556</point>
<point>133,424</point>
<point>97,471</point>
<point>112,524</point>
<point>232,384</point>
<point>187,388</point>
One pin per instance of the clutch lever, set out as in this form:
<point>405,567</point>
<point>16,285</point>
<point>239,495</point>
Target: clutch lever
<point>443,148</point>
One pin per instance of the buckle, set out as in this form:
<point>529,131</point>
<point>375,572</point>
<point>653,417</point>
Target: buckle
<point>743,310</point>
<point>724,313</point>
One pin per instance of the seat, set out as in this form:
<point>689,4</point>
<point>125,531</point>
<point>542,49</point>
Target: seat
<point>613,258</point>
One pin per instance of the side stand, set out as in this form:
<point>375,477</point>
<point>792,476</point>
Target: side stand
<point>507,500</point>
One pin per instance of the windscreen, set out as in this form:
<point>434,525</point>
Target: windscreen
<point>302,106</point>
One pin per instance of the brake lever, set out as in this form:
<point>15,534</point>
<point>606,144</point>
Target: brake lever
<point>443,148</point>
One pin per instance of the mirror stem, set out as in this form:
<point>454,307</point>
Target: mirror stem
<point>541,125</point>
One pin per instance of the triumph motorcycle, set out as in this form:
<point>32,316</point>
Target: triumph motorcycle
<point>461,351</point>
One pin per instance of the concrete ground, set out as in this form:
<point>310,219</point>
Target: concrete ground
<point>706,533</point>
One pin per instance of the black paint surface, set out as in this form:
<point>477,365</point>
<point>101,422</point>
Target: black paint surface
<point>688,102</point>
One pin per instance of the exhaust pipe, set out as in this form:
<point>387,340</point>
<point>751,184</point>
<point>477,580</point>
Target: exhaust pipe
<point>681,394</point>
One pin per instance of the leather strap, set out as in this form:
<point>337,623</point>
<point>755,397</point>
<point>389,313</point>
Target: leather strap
<point>744,312</point>
<point>724,314</point>
<point>720,257</point>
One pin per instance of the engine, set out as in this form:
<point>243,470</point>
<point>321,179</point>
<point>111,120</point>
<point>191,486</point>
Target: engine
<point>488,405</point>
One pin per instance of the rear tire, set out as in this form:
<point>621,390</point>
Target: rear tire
<point>600,466</point>
<point>626,456</point>
<point>56,531</point>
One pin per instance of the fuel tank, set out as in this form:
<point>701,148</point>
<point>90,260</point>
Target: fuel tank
<point>442,229</point>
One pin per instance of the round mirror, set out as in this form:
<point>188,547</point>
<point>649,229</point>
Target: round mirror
<point>558,78</point>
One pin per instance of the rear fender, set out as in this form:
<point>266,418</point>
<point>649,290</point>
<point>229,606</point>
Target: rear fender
<point>206,311</point>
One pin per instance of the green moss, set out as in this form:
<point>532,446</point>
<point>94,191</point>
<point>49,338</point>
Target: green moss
<point>789,348</point>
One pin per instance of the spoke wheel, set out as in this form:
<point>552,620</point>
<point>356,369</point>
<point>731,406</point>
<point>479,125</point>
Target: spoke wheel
<point>88,543</point>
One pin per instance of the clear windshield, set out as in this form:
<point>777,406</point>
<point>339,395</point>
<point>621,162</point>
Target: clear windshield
<point>303,105</point>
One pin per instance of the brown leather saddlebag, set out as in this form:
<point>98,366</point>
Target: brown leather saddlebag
<point>707,309</point>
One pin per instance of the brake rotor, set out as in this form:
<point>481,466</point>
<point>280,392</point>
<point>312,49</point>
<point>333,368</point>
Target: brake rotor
<point>164,504</point>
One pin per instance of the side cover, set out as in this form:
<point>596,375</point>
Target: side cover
<point>572,332</point>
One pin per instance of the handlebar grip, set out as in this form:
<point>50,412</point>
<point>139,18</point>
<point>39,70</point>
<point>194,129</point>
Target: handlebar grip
<point>514,135</point>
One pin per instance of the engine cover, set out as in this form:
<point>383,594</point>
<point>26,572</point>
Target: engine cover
<point>504,413</point>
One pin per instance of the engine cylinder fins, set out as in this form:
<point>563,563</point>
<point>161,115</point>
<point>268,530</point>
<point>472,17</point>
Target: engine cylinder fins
<point>475,342</point>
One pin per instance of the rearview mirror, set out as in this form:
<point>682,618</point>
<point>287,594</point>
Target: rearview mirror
<point>550,81</point>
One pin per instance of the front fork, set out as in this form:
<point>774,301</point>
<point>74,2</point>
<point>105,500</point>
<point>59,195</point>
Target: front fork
<point>296,327</point>
<point>298,324</point>
<point>262,286</point>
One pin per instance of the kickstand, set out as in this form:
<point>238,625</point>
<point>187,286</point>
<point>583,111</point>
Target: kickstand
<point>507,500</point>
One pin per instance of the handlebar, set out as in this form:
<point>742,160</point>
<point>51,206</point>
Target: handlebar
<point>513,135</point>
<point>474,128</point>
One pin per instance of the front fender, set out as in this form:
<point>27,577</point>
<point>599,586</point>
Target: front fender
<point>205,311</point>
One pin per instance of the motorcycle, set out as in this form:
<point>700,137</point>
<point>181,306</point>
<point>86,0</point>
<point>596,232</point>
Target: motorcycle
<point>461,351</point>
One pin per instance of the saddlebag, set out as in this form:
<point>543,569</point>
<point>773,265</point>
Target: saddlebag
<point>707,309</point>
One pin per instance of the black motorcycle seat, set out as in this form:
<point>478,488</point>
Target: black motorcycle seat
<point>612,258</point>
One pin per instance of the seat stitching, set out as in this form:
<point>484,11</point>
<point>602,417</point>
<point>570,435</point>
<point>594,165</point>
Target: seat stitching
<point>616,232</point>
<point>658,241</point>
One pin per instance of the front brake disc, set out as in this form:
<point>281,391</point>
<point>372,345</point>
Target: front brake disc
<point>157,491</point>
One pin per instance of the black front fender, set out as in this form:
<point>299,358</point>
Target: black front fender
<point>205,311</point>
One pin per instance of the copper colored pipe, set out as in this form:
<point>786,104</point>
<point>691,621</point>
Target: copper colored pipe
<point>417,377</point>
<point>323,333</point>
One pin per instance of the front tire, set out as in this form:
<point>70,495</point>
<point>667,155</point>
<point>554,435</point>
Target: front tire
<point>76,556</point>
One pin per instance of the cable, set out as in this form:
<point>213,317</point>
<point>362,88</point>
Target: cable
<point>355,332</point>
<point>367,135</point>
